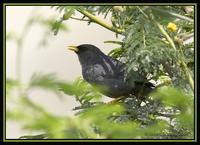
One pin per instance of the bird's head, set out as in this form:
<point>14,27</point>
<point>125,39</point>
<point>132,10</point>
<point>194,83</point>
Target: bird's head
<point>88,54</point>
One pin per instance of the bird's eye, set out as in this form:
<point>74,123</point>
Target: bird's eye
<point>89,57</point>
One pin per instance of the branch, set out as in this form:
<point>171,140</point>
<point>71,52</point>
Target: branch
<point>160,28</point>
<point>114,42</point>
<point>100,22</point>
<point>171,42</point>
<point>185,68</point>
<point>190,79</point>
<point>165,34</point>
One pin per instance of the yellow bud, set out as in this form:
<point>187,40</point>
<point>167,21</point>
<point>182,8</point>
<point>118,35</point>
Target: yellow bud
<point>172,27</point>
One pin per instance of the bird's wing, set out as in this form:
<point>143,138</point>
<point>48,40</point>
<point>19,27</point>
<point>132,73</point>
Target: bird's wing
<point>118,64</point>
<point>91,73</point>
<point>114,87</point>
<point>136,81</point>
<point>97,72</point>
<point>116,68</point>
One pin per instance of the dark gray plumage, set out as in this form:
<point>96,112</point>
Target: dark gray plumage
<point>105,71</point>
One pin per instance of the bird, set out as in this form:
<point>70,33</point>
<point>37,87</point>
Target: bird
<point>109,73</point>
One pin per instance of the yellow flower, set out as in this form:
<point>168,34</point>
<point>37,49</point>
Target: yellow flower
<point>172,27</point>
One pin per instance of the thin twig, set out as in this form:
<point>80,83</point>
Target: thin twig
<point>79,19</point>
<point>100,22</point>
<point>146,16</point>
<point>144,36</point>
<point>165,34</point>
<point>171,43</point>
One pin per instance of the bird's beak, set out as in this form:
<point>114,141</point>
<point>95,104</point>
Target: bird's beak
<point>73,48</point>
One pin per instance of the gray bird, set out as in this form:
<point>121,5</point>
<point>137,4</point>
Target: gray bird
<point>108,73</point>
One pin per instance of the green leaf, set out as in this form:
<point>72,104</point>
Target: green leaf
<point>68,13</point>
<point>71,89</point>
<point>10,84</point>
<point>166,13</point>
<point>173,97</point>
<point>116,53</point>
<point>46,81</point>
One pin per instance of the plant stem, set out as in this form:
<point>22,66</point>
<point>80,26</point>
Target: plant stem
<point>145,15</point>
<point>165,34</point>
<point>185,68</point>
<point>171,43</point>
<point>144,36</point>
<point>190,79</point>
<point>114,42</point>
<point>100,22</point>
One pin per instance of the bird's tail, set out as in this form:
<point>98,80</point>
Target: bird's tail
<point>143,89</point>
